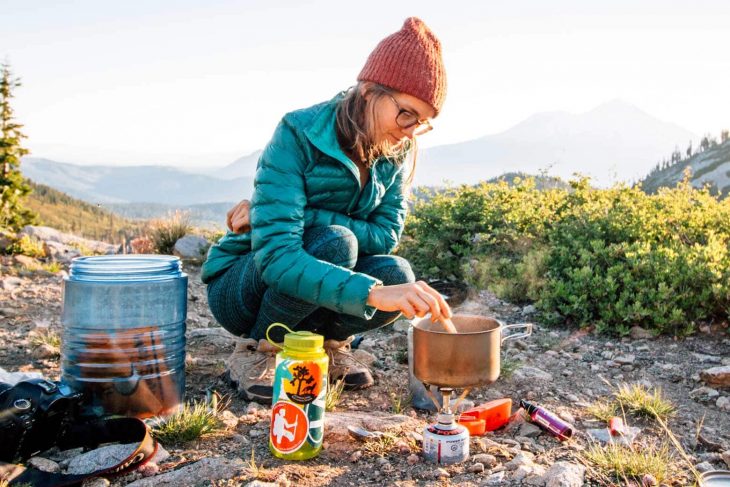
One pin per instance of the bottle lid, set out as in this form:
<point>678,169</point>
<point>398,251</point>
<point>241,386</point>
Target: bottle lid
<point>303,341</point>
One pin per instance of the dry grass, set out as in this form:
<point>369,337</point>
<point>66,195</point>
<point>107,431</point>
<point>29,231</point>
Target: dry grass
<point>508,366</point>
<point>193,421</point>
<point>603,410</point>
<point>622,463</point>
<point>45,336</point>
<point>399,402</point>
<point>640,400</point>
<point>165,232</point>
<point>334,395</point>
<point>259,472</point>
<point>380,446</point>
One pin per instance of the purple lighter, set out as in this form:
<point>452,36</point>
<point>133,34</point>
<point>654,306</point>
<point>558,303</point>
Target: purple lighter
<point>548,421</point>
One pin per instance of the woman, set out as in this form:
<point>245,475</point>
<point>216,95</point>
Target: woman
<point>329,205</point>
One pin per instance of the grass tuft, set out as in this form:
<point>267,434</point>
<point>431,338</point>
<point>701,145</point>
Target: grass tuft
<point>193,421</point>
<point>603,410</point>
<point>508,366</point>
<point>334,395</point>
<point>259,472</point>
<point>380,446</point>
<point>45,336</point>
<point>399,402</point>
<point>643,402</point>
<point>626,463</point>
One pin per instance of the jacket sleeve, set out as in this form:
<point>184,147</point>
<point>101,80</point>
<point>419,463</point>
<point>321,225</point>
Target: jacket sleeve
<point>381,232</point>
<point>277,222</point>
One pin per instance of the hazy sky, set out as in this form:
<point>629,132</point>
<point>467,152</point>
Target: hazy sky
<point>204,82</point>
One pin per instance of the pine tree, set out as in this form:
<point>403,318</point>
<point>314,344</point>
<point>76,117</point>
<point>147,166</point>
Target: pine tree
<point>13,186</point>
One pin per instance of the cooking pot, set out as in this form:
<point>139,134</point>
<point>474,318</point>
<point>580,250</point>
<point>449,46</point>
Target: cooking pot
<point>468,358</point>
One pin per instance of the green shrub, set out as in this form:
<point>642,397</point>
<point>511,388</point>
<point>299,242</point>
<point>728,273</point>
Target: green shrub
<point>27,245</point>
<point>164,233</point>
<point>612,258</point>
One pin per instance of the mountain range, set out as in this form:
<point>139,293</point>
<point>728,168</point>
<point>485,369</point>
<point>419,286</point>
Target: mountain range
<point>614,141</point>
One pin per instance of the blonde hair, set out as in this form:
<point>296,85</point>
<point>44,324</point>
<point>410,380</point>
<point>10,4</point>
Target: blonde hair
<point>356,128</point>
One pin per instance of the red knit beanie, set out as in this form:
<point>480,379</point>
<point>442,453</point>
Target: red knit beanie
<point>409,61</point>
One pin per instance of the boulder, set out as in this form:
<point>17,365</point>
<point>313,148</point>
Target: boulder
<point>564,474</point>
<point>60,252</point>
<point>203,472</point>
<point>337,436</point>
<point>48,234</point>
<point>191,247</point>
<point>717,376</point>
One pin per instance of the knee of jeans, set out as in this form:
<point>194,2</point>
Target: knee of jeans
<point>334,244</point>
<point>398,272</point>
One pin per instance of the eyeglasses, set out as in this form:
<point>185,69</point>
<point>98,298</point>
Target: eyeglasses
<point>406,119</point>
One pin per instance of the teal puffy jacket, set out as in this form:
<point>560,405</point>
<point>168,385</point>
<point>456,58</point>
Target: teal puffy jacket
<point>304,179</point>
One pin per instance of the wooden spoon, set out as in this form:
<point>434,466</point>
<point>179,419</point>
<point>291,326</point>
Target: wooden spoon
<point>448,324</point>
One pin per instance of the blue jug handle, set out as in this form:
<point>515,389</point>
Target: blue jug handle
<point>274,325</point>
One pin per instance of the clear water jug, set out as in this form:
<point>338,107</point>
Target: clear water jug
<point>123,341</point>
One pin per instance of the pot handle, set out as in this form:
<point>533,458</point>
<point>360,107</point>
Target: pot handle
<point>527,332</point>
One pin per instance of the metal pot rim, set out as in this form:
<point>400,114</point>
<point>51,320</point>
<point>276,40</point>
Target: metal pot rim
<point>439,332</point>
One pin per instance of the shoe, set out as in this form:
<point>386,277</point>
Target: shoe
<point>351,367</point>
<point>251,369</point>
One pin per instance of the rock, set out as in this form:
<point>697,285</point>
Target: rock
<point>211,341</point>
<point>413,459</point>
<point>336,423</point>
<point>258,483</point>
<point>529,430</point>
<point>202,472</point>
<point>356,456</point>
<point>485,459</point>
<point>15,377</point>
<point>639,333</point>
<point>402,325</point>
<point>476,468</point>
<point>627,359</point>
<point>43,351</point>
<point>723,403</point>
<point>704,467</point>
<point>726,457</point>
<point>441,473</point>
<point>9,283</point>
<point>191,247</point>
<point>522,459</point>
<point>532,373</point>
<point>59,252</point>
<point>528,310</point>
<point>27,262</point>
<point>717,376</point>
<point>648,480</point>
<point>564,474</point>
<point>521,473</point>
<point>96,482</point>
<point>46,234</point>
<point>229,419</point>
<point>704,393</point>
<point>101,458</point>
<point>494,479</point>
<point>149,469</point>
<point>44,464</point>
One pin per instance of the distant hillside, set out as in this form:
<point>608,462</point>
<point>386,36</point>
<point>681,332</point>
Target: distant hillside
<point>61,211</point>
<point>210,216</point>
<point>709,167</point>
<point>613,142</point>
<point>136,184</point>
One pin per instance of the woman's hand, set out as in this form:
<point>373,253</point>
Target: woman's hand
<point>238,218</point>
<point>416,299</point>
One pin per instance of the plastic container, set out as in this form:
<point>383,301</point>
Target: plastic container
<point>419,395</point>
<point>123,340</point>
<point>300,391</point>
<point>494,413</point>
<point>445,442</point>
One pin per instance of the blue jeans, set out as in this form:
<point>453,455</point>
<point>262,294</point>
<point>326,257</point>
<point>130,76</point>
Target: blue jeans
<point>244,305</point>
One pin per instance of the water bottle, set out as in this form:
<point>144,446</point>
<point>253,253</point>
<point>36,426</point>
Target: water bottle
<point>123,341</point>
<point>300,392</point>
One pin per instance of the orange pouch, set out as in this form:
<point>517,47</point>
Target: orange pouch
<point>494,413</point>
